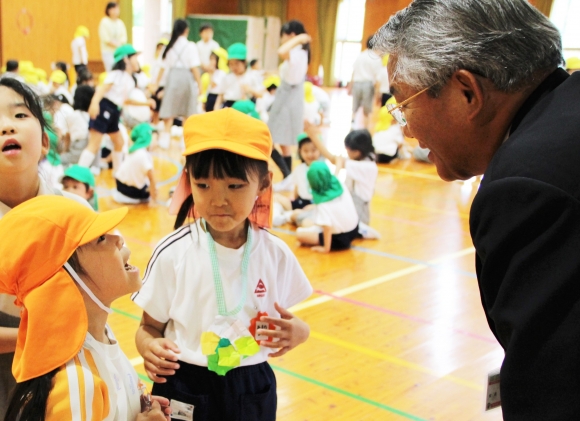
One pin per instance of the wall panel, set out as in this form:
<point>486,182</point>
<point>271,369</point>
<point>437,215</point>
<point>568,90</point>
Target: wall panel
<point>306,12</point>
<point>217,7</point>
<point>378,12</point>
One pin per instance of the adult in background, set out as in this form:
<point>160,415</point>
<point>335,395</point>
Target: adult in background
<point>180,73</point>
<point>478,83</point>
<point>112,33</point>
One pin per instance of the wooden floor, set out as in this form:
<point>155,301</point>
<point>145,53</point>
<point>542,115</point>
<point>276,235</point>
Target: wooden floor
<point>398,331</point>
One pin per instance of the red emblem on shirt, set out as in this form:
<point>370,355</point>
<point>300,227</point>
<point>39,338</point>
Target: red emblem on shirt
<point>260,289</point>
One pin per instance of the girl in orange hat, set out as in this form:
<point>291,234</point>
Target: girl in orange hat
<point>23,142</point>
<point>68,364</point>
<point>215,291</point>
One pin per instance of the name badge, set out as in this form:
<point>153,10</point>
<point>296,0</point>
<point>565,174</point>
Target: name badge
<point>181,411</point>
<point>493,399</point>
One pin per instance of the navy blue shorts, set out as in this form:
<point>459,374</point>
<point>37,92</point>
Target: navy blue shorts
<point>108,119</point>
<point>244,393</point>
<point>340,241</point>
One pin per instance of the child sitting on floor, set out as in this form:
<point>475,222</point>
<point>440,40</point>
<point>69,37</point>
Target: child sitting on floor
<point>135,178</point>
<point>335,217</point>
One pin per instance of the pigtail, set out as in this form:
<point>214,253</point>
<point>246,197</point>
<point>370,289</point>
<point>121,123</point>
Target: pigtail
<point>29,399</point>
<point>185,211</point>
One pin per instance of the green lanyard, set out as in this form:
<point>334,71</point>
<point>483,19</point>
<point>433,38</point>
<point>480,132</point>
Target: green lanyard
<point>217,278</point>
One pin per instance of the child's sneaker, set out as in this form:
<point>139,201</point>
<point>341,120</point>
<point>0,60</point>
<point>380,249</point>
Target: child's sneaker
<point>367,232</point>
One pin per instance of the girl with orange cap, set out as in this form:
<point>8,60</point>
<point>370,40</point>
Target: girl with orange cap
<point>215,291</point>
<point>23,142</point>
<point>68,364</point>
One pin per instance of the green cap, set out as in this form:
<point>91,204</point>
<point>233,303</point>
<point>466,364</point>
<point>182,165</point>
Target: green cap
<point>141,136</point>
<point>323,184</point>
<point>247,107</point>
<point>237,51</point>
<point>82,174</point>
<point>301,137</point>
<point>124,51</point>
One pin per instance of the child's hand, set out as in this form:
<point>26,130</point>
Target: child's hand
<point>94,111</point>
<point>159,356</point>
<point>320,249</point>
<point>156,413</point>
<point>164,403</point>
<point>152,103</point>
<point>292,333</point>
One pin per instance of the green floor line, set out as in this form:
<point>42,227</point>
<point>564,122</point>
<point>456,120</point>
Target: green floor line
<point>309,380</point>
<point>349,394</point>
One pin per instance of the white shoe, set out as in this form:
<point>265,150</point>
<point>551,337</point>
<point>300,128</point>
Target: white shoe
<point>164,140</point>
<point>367,232</point>
<point>124,200</point>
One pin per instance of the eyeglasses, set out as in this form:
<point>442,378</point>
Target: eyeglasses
<point>396,110</point>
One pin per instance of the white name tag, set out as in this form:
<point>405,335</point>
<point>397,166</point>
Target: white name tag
<point>181,411</point>
<point>493,399</point>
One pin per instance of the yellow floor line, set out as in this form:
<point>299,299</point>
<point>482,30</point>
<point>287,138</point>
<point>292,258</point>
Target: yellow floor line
<point>410,174</point>
<point>393,360</point>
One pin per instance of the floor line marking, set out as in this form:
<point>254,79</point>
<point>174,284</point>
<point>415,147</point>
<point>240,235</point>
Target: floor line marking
<point>393,360</point>
<point>409,173</point>
<point>378,281</point>
<point>406,316</point>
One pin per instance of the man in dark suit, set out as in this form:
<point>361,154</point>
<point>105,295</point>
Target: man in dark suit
<point>478,83</point>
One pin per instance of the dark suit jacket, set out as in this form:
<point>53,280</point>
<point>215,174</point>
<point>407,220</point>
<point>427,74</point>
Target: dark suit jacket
<point>525,225</point>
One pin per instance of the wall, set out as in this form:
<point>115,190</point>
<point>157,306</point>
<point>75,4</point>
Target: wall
<point>378,12</point>
<point>54,23</point>
<point>213,7</point>
<point>306,12</point>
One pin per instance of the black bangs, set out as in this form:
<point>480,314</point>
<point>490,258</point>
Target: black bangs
<point>224,164</point>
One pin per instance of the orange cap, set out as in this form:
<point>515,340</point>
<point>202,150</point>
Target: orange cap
<point>38,237</point>
<point>233,131</point>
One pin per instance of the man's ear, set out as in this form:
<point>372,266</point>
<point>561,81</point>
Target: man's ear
<point>470,91</point>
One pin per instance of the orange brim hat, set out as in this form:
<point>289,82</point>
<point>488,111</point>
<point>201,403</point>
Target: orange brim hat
<point>233,131</point>
<point>38,238</point>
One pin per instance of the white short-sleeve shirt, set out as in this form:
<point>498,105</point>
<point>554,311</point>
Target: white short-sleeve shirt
<point>301,181</point>
<point>293,70</point>
<point>122,85</point>
<point>216,80</point>
<point>366,67</point>
<point>79,51</point>
<point>361,177</point>
<point>133,170</point>
<point>231,87</point>
<point>339,214</point>
<point>205,49</point>
<point>182,55</point>
<point>178,287</point>
<point>388,141</point>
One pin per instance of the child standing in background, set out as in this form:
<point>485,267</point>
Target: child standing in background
<point>207,343</point>
<point>216,76</point>
<point>286,115</point>
<point>80,55</point>
<point>235,86</point>
<point>107,103</point>
<point>58,86</point>
<point>335,217</point>
<point>136,177</point>
<point>206,45</point>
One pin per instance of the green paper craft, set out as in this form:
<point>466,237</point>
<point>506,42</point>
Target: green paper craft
<point>228,357</point>
<point>212,364</point>
<point>247,346</point>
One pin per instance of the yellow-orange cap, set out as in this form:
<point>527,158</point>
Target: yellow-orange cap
<point>38,237</point>
<point>229,130</point>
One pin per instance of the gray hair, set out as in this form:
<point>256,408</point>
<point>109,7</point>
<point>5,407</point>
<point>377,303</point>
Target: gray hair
<point>506,41</point>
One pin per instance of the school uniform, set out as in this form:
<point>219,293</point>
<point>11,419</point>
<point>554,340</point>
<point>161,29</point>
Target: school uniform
<point>340,214</point>
<point>111,30</point>
<point>100,373</point>
<point>77,124</point>
<point>301,182</point>
<point>365,71</point>
<point>10,313</point>
<point>131,177</point>
<point>80,55</point>
<point>205,49</point>
<point>360,181</point>
<point>178,290</point>
<point>181,90</point>
<point>285,120</point>
<point>214,89</point>
<point>232,88</point>
<point>122,83</point>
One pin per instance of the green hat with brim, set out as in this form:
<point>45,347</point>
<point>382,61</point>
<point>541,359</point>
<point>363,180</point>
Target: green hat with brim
<point>141,136</point>
<point>247,107</point>
<point>324,185</point>
<point>81,174</point>
<point>124,51</point>
<point>237,51</point>
<point>301,137</point>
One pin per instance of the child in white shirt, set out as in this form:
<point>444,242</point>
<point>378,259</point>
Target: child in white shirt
<point>206,45</point>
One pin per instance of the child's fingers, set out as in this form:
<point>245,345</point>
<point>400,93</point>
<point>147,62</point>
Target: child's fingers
<point>276,321</point>
<point>280,344</point>
<point>154,377</point>
<point>170,345</point>
<point>281,334</point>
<point>164,353</point>
<point>158,370</point>
<point>161,363</point>
<point>281,352</point>
<point>283,312</point>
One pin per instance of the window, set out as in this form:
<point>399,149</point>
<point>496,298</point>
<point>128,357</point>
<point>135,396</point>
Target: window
<point>565,15</point>
<point>348,38</point>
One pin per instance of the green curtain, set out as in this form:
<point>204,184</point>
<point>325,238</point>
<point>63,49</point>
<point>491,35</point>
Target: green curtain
<point>127,17</point>
<point>264,8</point>
<point>179,9</point>
<point>327,12</point>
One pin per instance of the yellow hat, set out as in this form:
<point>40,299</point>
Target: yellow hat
<point>205,81</point>
<point>573,63</point>
<point>308,95</point>
<point>163,41</point>
<point>81,31</point>
<point>232,131</point>
<point>38,238</point>
<point>385,119</point>
<point>272,80</point>
<point>102,78</point>
<point>223,59</point>
<point>58,76</point>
